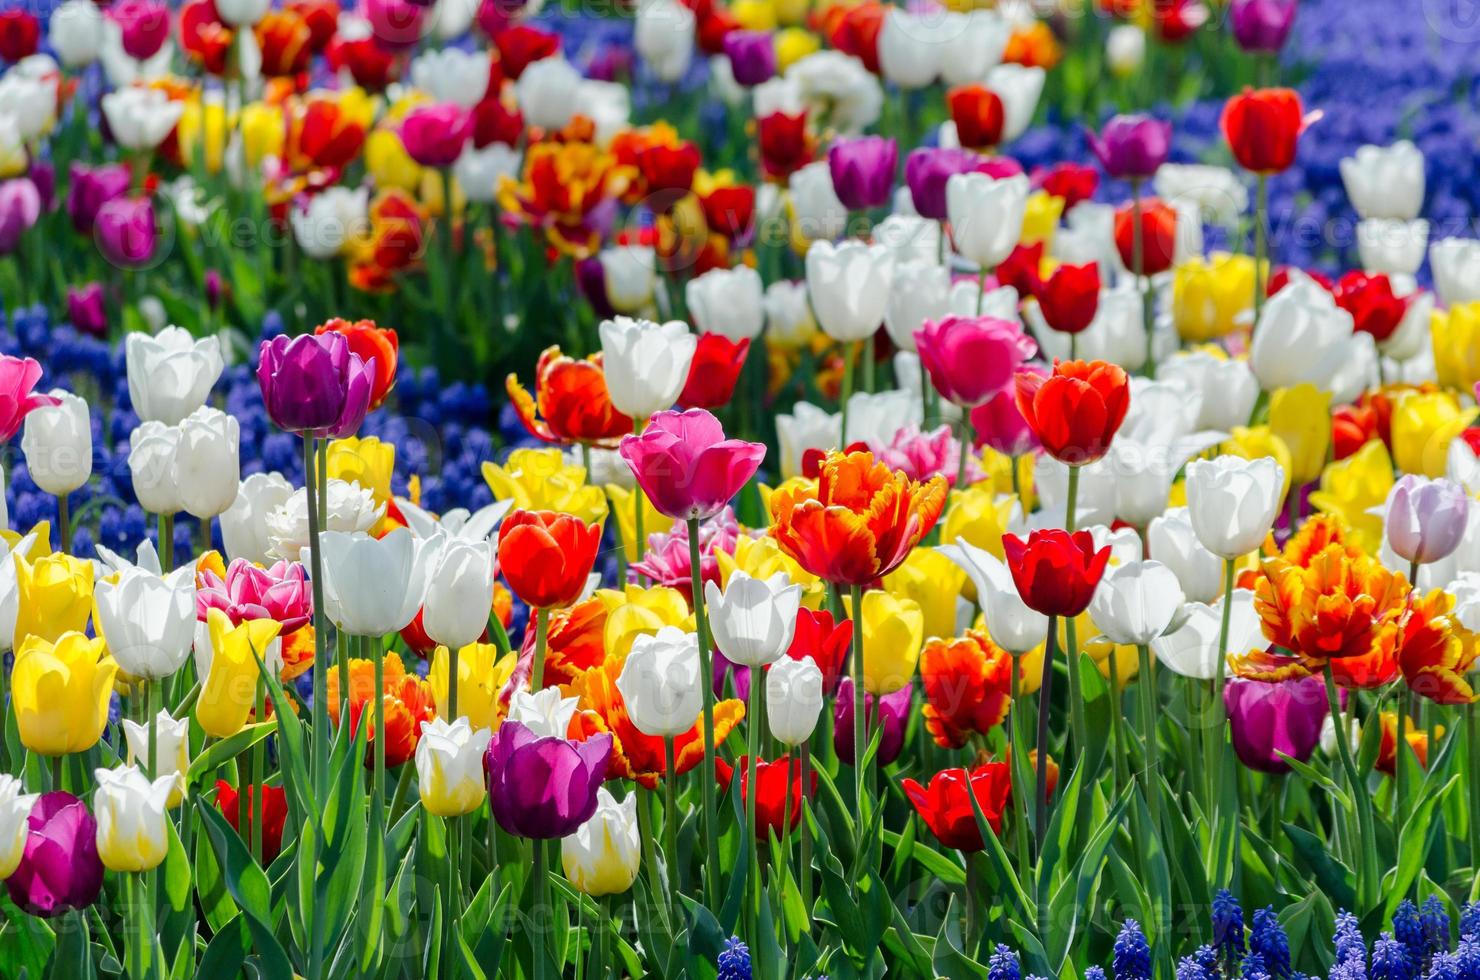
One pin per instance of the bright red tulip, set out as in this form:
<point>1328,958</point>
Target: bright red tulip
<point>546,557</point>
<point>571,402</point>
<point>521,45</point>
<point>1262,127</point>
<point>1022,270</point>
<point>785,146</point>
<point>977,112</point>
<point>947,810</point>
<point>1073,182</point>
<point>1158,236</point>
<point>713,372</point>
<point>1070,297</point>
<point>286,41</point>
<point>1371,302</point>
<point>1055,572</point>
<point>273,809</point>
<point>826,643</point>
<point>1077,410</point>
<point>20,34</point>
<point>778,801</point>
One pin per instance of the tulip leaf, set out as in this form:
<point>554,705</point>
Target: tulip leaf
<point>400,899</point>
<point>729,913</point>
<point>176,871</point>
<point>217,907</point>
<point>219,753</point>
<point>902,942</point>
<point>950,959</point>
<point>938,865</point>
<point>1320,779</point>
<point>227,950</point>
<point>1414,842</point>
<point>1073,896</point>
<point>248,885</point>
<point>706,938</point>
<point>372,919</point>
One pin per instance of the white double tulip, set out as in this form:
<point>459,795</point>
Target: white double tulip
<point>171,373</point>
<point>374,586</point>
<point>850,285</point>
<point>350,508</point>
<point>545,712</point>
<point>147,620</point>
<point>57,443</point>
<point>661,683</point>
<point>793,699</point>
<point>1385,181</point>
<point>452,75</point>
<point>1136,601</point>
<point>449,767</point>
<point>729,302</point>
<point>753,619</point>
<point>133,828</point>
<point>1232,502</point>
<point>986,215</point>
<point>646,363</point>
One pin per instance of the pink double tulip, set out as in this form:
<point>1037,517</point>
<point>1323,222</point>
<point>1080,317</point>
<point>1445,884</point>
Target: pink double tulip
<point>686,466</point>
<point>972,358</point>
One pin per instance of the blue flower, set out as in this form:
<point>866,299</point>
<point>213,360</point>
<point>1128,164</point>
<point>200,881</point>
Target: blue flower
<point>1435,919</point>
<point>1445,966</point>
<point>1132,953</point>
<point>734,960</point>
<point>1095,973</point>
<point>1390,960</point>
<point>1268,940</point>
<point>1003,964</point>
<point>1408,930</point>
<point>1254,968</point>
<point>1188,968</point>
<point>1467,958</point>
<point>1350,948</point>
<point>1469,921</point>
<point>1228,928</point>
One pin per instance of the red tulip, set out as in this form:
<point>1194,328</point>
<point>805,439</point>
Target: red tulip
<point>20,34</point>
<point>857,33</point>
<point>273,810</point>
<point>1262,127</point>
<point>978,114</point>
<point>1070,297</point>
<point>1022,270</point>
<point>1284,273</point>
<point>729,211</point>
<point>521,45</point>
<point>827,644</point>
<point>370,341</point>
<point>494,122</point>
<point>1076,411</point>
<point>778,801</point>
<point>713,372</point>
<point>947,810</point>
<point>1055,572</point>
<point>546,557</point>
<point>668,170</point>
<point>1073,182</point>
<point>784,144</point>
<point>1158,236</point>
<point>1372,304</point>
<point>1352,427</point>
<point>286,42</point>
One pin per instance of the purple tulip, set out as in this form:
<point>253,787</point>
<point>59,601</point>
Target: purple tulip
<point>1261,26</point>
<point>1426,518</point>
<point>1132,147</point>
<point>892,711</point>
<point>43,174</point>
<point>543,788</point>
<point>314,384</point>
<point>59,870</point>
<point>85,309</point>
<point>215,288</point>
<point>1267,719</point>
<point>863,171</point>
<point>752,56</point>
<point>126,231</point>
<point>20,206</point>
<point>92,187</point>
<point>591,281</point>
<point>686,466</point>
<point>926,171</point>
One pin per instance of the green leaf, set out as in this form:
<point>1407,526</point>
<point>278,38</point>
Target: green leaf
<point>1324,782</point>
<point>219,753</point>
<point>248,885</point>
<point>176,871</point>
<point>937,864</point>
<point>1320,860</point>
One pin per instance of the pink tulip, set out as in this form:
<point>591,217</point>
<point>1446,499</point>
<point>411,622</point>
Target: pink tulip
<point>434,134</point>
<point>970,359</point>
<point>18,377</point>
<point>248,592</point>
<point>144,26</point>
<point>686,466</point>
<point>1000,425</point>
<point>922,455</point>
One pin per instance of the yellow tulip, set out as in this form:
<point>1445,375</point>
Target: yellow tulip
<point>653,522</point>
<point>634,611</point>
<point>1456,340</point>
<point>541,479</point>
<point>934,582</point>
<point>792,11</point>
<point>1252,442</point>
<point>1423,426</point>
<point>792,45</point>
<point>366,461</point>
<point>761,558</point>
<point>1301,417</point>
<point>998,468</point>
<point>60,692</point>
<point>40,544</point>
<point>230,688</point>
<point>1351,487</point>
<point>14,160</point>
<point>755,15</point>
<point>360,105</point>
<point>389,163</point>
<point>482,676</point>
<point>893,632</point>
<point>790,483</point>
<point>262,128</point>
<point>1209,296</point>
<point>53,596</point>
<point>1041,218</point>
<point>978,516</point>
<point>203,131</point>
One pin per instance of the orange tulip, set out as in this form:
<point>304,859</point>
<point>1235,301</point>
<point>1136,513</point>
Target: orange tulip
<point>858,522</point>
<point>1435,651</point>
<point>574,644</point>
<point>571,402</point>
<point>967,687</point>
<point>1387,751</point>
<point>408,703</point>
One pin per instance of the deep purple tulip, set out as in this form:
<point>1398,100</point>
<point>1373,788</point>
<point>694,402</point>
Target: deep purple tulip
<point>126,231</point>
<point>892,711</point>
<point>1132,147</point>
<point>1266,719</point>
<point>92,187</point>
<point>863,171</point>
<point>60,870</point>
<point>543,788</point>
<point>85,309</point>
<point>43,174</point>
<point>591,281</point>
<point>1426,518</point>
<point>752,56</point>
<point>926,171</point>
<point>314,384</point>
<point>20,206</point>
<point>215,288</point>
<point>1262,26</point>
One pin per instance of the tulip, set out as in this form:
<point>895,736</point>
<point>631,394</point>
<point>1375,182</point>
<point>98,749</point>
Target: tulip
<point>818,214</point>
<point>1159,235</point>
<point>53,595</point>
<point>891,711</point>
<point>1070,297</point>
<point>127,231</point>
<point>376,586</point>
<point>1077,411</point>
<point>1136,602</point>
<point>664,37</point>
<point>543,788</point>
<point>968,687</point>
<point>57,443</point>
<point>646,363</point>
<point>849,285</point>
<point>1132,147</point>
<point>752,56</point>
<point>482,676</point>
<point>1385,182</point>
<point>133,831</point>
<point>434,135</point>
<point>86,310</point>
<point>1172,541</point>
<point>207,466</point>
<point>970,359</point>
<point>272,813</point>
<point>862,171</point>
<point>229,686</point>
<point>986,215</point>
<point>927,170</point>
<point>1261,26</point>
<point>1233,502</point>
<point>546,557</point>
<point>60,692</point>
<point>90,188</point>
<point>1125,50</point>
<point>911,47</point>
<point>546,92</point>
<point>1426,519</point>
<point>1421,426</point>
<point>1456,267</point>
<point>459,590</point>
<point>1196,648</point>
<point>921,291</point>
<point>727,302</point>
<point>449,767</point>
<point>452,75</point>
<point>18,397</point>
<point>777,789</point>
<point>326,223</point>
<point>140,118</point>
<point>314,384</point>
<point>1269,721</point>
<point>1293,419</point>
<point>75,31</point>
<point>1393,247</point>
<point>793,699</point>
<point>999,425</point>
<point>1216,192</point>
<point>661,683</point>
<point>244,524</point>
<point>629,273</point>
<point>1374,307</point>
<point>1210,297</point>
<point>544,712</point>
<point>753,620</point>
<point>1055,572</point>
<point>15,808</point>
<point>716,368</point>
<point>687,467</point>
<point>893,631</point>
<point>171,748</point>
<point>59,869</point>
<point>1262,127</point>
<point>603,856</point>
<point>978,114</point>
<point>20,208</point>
<point>950,813</point>
<point>1302,335</point>
<point>147,620</point>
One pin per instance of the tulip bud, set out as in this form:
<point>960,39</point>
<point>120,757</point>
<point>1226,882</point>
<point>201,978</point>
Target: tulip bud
<point>727,302</point>
<point>244,524</point>
<point>57,443</point>
<point>603,856</point>
<point>151,463</point>
<point>133,831</point>
<point>375,586</point>
<point>646,363</point>
<point>147,620</point>
<point>1385,181</point>
<point>171,748</point>
<point>207,463</point>
<point>459,590</point>
<point>629,274</point>
<point>1233,502</point>
<point>793,699</point>
<point>818,214</point>
<point>1426,519</point>
<point>54,595</point>
<point>986,215</point>
<point>544,712</point>
<point>660,682</point>
<point>449,767</point>
<point>170,374</point>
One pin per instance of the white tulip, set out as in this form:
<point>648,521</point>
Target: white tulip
<point>479,172</point>
<point>57,443</point>
<point>986,215</point>
<point>1233,502</point>
<point>15,828</point>
<point>449,767</point>
<point>630,273</point>
<point>664,37</point>
<point>1227,387</point>
<point>1125,49</point>
<point>974,44</point>
<point>877,417</point>
<point>1116,334</point>
<point>1392,246</point>
<point>9,593</point>
<point>1019,88</point>
<point>1301,336</point>
<point>329,221</point>
<point>728,302</point>
<point>1135,602</point>
<point>452,75</point>
<point>373,586</point>
<point>1171,540</point>
<point>544,712</point>
<point>1456,265</point>
<point>850,285</point>
<point>910,47</point>
<point>459,590</point>
<point>646,363</point>
<point>1217,192</point>
<point>133,830</point>
<point>244,524</point>
<point>29,104</point>
<point>753,619</point>
<point>910,237</point>
<point>839,87</point>
<point>147,620</point>
<point>793,699</point>
<point>350,509</point>
<point>1011,624</point>
<point>1412,338</point>
<point>661,683</point>
<point>171,748</point>
<point>819,214</point>
<point>807,427</point>
<point>454,18</point>
<point>242,13</point>
<point>547,92</point>
<point>609,107</point>
<point>76,32</point>
<point>141,118</point>
<point>151,463</point>
<point>1192,650</point>
<point>207,462</point>
<point>1385,181</point>
<point>170,374</point>
<point>922,291</point>
<point>789,322</point>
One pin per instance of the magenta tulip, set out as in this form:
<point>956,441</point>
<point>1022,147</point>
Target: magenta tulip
<point>89,188</point>
<point>926,171</point>
<point>1132,147</point>
<point>863,171</point>
<point>60,869</point>
<point>543,787</point>
<point>435,134</point>
<point>892,711</point>
<point>1261,26</point>
<point>1271,720</point>
<point>752,56</point>
<point>686,466</point>
<point>280,593</point>
<point>18,377</point>
<point>314,384</point>
<point>126,231</point>
<point>1000,425</point>
<point>20,206</point>
<point>143,25</point>
<point>85,309</point>
<point>970,359</point>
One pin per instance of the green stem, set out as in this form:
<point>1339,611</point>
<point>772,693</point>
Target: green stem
<point>804,865</point>
<point>167,543</point>
<point>639,538</point>
<point>1367,869</point>
<point>1118,774</point>
<point>377,778</point>
<point>860,721</point>
<point>1261,243</point>
<point>1014,758</point>
<point>64,523</point>
<point>851,353</point>
<point>320,666</point>
<point>1078,727</point>
<point>750,777</point>
<point>541,642</point>
<point>670,826</point>
<point>1147,689</point>
<point>701,624</point>
<point>1213,747</point>
<point>964,432</point>
<point>259,765</point>
<point>1472,748</point>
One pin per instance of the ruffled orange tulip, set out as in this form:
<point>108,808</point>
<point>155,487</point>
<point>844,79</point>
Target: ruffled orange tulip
<point>1387,750</point>
<point>858,522</point>
<point>967,687</point>
<point>574,644</point>
<point>571,402</point>
<point>1435,651</point>
<point>369,340</point>
<point>408,703</point>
